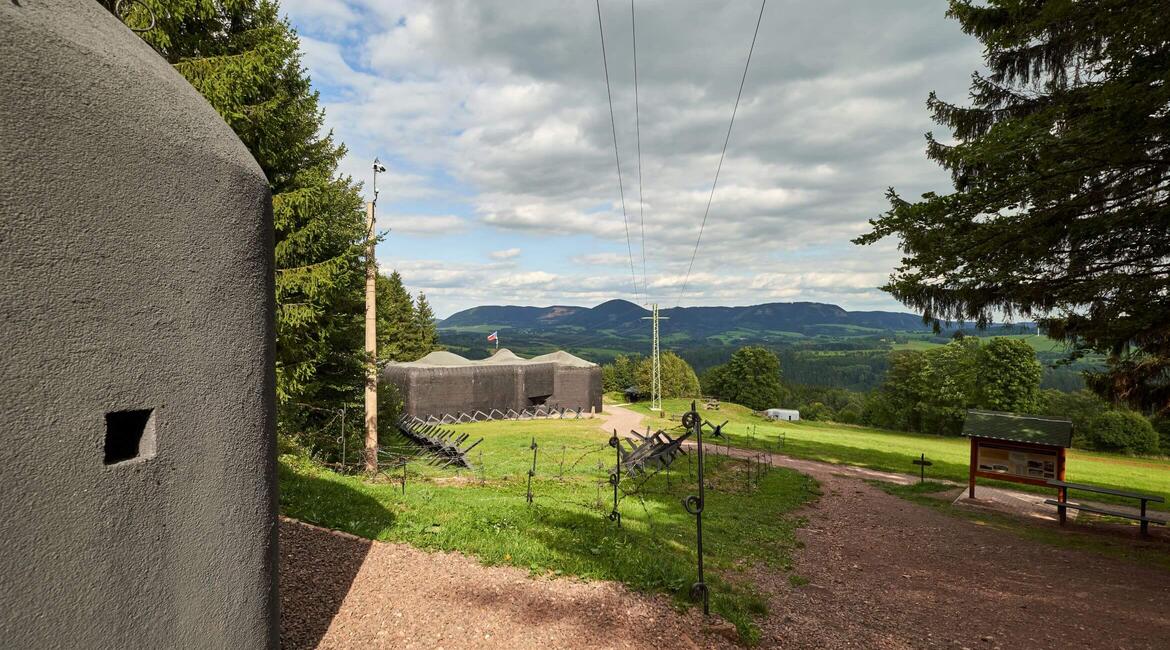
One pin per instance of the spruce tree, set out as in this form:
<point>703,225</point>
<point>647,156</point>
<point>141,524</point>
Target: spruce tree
<point>398,335</point>
<point>428,331</point>
<point>245,60</point>
<point>1061,173</point>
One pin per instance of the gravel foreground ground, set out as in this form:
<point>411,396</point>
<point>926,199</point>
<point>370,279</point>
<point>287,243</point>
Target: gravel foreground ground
<point>882,572</point>
<point>340,591</point>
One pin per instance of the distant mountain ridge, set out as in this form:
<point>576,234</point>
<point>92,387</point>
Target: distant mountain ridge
<point>622,317</point>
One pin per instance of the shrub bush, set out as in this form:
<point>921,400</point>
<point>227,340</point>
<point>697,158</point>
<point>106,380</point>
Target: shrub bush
<point>1123,431</point>
<point>848,415</point>
<point>816,411</point>
<point>1162,426</point>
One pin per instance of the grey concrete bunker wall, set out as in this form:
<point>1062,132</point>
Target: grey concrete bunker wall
<point>539,384</point>
<point>578,388</point>
<point>442,390</point>
<point>137,375</point>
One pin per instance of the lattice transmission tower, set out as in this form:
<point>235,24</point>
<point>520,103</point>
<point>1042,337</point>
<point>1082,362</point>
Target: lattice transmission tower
<point>655,361</point>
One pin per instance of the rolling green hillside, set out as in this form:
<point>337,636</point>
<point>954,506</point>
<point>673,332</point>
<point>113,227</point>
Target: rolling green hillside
<point>818,344</point>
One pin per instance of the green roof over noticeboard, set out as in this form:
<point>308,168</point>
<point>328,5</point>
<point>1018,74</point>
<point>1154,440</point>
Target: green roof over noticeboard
<point>1035,429</point>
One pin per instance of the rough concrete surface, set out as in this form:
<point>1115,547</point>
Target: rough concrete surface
<point>443,383</point>
<point>136,270</point>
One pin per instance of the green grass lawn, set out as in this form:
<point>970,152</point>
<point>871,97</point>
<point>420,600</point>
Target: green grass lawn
<point>1039,343</point>
<point>566,531</point>
<point>893,451</point>
<point>916,344</point>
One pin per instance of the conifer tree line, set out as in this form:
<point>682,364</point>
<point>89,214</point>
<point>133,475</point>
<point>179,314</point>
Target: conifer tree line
<point>1061,174</point>
<point>245,60</point>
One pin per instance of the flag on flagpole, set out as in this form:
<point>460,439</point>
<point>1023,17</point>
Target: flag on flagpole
<point>495,336</point>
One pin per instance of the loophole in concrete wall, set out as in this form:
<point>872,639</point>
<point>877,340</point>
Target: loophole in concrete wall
<point>130,435</point>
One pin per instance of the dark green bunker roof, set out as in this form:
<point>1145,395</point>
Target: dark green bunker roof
<point>1036,429</point>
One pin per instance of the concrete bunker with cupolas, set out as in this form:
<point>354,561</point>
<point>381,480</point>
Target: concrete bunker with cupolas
<point>443,383</point>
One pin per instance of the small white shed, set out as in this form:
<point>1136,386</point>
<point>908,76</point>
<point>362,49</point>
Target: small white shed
<point>790,415</point>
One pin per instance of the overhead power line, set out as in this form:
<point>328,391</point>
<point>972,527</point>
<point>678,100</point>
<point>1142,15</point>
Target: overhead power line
<point>638,130</point>
<point>719,167</point>
<point>616,157</point>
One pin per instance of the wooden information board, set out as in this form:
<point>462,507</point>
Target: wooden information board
<point>1019,448</point>
<point>1016,462</point>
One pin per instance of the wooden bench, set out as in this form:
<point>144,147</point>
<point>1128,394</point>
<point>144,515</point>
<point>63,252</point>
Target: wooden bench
<point>1063,503</point>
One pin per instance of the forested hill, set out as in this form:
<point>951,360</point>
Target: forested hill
<point>624,318</point>
<point>818,344</point>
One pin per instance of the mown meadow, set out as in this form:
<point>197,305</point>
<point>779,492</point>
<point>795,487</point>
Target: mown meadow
<point>894,451</point>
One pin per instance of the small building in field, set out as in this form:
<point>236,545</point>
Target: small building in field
<point>787,415</point>
<point>443,383</point>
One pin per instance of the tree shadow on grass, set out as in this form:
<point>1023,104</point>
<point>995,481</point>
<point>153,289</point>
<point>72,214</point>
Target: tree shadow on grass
<point>318,566</point>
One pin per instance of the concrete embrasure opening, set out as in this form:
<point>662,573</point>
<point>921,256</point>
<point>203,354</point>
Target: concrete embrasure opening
<point>129,436</point>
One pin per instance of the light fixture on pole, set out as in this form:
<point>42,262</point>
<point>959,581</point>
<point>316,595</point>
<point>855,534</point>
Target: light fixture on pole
<point>378,168</point>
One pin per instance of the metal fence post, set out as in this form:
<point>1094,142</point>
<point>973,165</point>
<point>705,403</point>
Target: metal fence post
<point>694,506</point>
<point>532,472</point>
<point>616,477</point>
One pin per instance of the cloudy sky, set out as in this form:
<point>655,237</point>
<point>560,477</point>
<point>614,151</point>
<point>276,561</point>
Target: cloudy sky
<point>493,120</point>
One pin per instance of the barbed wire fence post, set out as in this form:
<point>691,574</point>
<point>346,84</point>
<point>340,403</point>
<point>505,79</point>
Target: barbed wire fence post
<point>615,477</point>
<point>694,505</point>
<point>532,472</point>
<point>343,439</point>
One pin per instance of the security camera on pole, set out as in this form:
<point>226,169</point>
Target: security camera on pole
<point>372,332</point>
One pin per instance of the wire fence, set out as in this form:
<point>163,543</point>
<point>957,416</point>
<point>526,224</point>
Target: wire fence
<point>635,481</point>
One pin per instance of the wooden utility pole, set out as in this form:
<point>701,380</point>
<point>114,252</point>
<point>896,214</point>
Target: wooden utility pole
<point>371,346</point>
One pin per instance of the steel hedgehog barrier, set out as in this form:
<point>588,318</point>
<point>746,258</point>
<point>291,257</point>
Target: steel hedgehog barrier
<point>655,451</point>
<point>442,445</point>
<point>536,413</point>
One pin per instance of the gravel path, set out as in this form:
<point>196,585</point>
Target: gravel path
<point>886,573</point>
<point>340,591</point>
<point>622,419</point>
